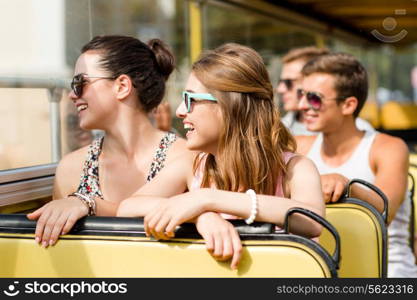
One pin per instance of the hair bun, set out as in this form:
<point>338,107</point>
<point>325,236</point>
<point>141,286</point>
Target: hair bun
<point>164,58</point>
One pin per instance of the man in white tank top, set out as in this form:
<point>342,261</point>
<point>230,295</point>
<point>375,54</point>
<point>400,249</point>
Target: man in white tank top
<point>334,89</point>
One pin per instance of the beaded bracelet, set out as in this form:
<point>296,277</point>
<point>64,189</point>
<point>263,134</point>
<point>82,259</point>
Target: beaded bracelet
<point>89,202</point>
<point>254,209</point>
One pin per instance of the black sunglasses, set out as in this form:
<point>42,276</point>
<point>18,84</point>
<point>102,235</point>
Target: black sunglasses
<point>313,99</point>
<point>289,83</point>
<point>78,82</point>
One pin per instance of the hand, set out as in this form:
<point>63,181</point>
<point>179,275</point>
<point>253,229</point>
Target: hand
<point>333,186</point>
<point>222,239</point>
<point>161,221</point>
<point>55,218</point>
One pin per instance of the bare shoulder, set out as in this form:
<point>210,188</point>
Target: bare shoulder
<point>301,169</point>
<point>179,157</point>
<point>386,146</point>
<point>179,144</point>
<point>73,161</point>
<point>303,183</point>
<point>68,172</point>
<point>304,143</point>
<point>301,164</point>
<point>174,177</point>
<point>177,149</point>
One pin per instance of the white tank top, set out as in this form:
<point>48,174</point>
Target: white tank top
<point>354,167</point>
<point>401,260</point>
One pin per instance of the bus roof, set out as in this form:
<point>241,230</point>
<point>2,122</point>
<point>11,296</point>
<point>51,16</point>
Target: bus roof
<point>374,21</point>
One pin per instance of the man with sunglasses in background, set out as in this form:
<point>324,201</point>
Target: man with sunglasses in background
<point>290,81</point>
<point>333,92</point>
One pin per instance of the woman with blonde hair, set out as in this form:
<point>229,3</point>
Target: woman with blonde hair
<point>244,164</point>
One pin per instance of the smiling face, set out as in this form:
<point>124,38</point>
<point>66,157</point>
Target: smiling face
<point>94,104</point>
<point>204,122</point>
<point>291,72</point>
<point>330,115</point>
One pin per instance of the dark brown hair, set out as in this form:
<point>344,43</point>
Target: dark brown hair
<point>148,65</point>
<point>253,139</point>
<point>351,79</point>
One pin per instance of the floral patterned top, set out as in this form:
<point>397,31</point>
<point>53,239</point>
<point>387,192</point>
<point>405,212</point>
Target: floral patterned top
<point>89,183</point>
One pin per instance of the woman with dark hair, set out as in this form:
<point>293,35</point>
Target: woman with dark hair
<point>118,81</point>
<point>246,166</point>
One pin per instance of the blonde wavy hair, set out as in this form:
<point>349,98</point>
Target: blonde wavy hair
<point>253,139</point>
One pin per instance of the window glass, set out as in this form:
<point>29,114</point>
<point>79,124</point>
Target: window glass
<point>37,59</point>
<point>25,133</point>
<point>270,37</point>
<point>39,123</point>
<point>31,66</point>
